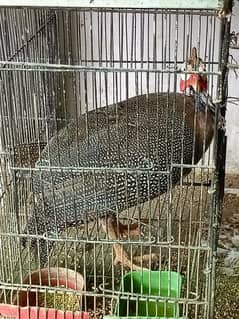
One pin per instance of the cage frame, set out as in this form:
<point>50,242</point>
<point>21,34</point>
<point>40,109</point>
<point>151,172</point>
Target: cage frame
<point>217,185</point>
<point>141,4</point>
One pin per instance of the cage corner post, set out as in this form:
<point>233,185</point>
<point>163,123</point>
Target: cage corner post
<point>219,155</point>
<point>67,81</point>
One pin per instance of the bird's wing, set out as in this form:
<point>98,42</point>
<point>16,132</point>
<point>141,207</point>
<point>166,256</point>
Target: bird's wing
<point>130,135</point>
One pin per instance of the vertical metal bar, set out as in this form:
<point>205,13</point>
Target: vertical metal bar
<point>219,158</point>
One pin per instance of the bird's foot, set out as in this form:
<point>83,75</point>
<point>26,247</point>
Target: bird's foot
<point>121,257</point>
<point>146,257</point>
<point>114,230</point>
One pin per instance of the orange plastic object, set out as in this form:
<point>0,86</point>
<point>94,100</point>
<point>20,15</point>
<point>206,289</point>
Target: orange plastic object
<point>25,306</point>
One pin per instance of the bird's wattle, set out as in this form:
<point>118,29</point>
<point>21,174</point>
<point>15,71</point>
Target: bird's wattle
<point>195,81</point>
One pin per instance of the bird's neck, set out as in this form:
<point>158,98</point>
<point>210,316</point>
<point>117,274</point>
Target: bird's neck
<point>205,116</point>
<point>203,102</point>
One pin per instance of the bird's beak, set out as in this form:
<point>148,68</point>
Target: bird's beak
<point>196,81</point>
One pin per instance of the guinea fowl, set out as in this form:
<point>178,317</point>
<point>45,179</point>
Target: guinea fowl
<point>135,142</point>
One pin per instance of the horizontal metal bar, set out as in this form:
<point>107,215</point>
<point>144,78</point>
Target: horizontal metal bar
<point>32,66</point>
<point>232,190</point>
<point>161,4</point>
<point>87,240</point>
<point>144,61</point>
<point>233,66</point>
<point>40,288</point>
<point>209,166</point>
<point>107,69</point>
<point>197,184</point>
<point>137,296</point>
<point>181,11</point>
<point>132,295</point>
<point>81,169</point>
<point>106,241</point>
<point>5,154</point>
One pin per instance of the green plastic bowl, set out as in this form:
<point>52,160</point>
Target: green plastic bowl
<point>154,283</point>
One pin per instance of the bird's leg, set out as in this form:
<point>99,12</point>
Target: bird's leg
<point>112,229</point>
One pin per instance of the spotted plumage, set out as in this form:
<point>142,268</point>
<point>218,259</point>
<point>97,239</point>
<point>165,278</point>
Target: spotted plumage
<point>134,142</point>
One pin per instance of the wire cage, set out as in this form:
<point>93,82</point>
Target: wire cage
<point>95,134</point>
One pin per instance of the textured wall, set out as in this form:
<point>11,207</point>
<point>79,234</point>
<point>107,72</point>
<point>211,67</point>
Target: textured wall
<point>233,110</point>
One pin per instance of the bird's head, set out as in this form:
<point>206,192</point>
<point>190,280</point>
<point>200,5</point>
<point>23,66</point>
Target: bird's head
<point>196,82</point>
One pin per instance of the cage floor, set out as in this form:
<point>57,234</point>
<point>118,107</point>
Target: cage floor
<point>186,252</point>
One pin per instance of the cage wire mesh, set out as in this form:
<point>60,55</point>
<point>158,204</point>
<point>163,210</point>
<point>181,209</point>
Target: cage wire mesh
<point>93,125</point>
